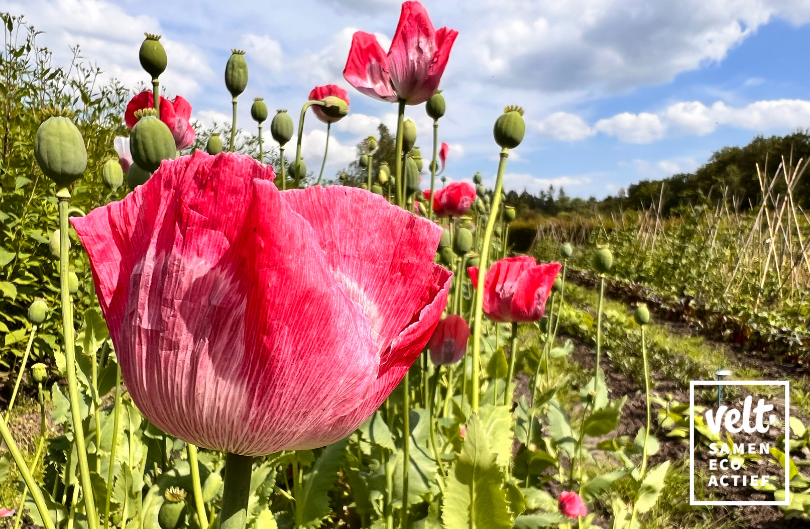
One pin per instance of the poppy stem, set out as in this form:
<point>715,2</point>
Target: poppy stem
<point>512,357</point>
<point>647,431</point>
<point>236,493</point>
<point>406,446</point>
<point>261,146</point>
<point>398,155</point>
<point>432,418</point>
<point>325,152</point>
<point>479,292</point>
<point>113,449</point>
<point>233,126</point>
<point>195,483</point>
<point>156,95</point>
<point>22,370</point>
<point>300,135</point>
<point>433,165</point>
<point>283,167</point>
<point>370,165</point>
<point>70,360</point>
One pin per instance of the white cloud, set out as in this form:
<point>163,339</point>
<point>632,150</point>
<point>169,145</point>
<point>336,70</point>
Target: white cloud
<point>564,127</point>
<point>663,168</point>
<point>207,118</point>
<point>520,181</point>
<point>633,128</point>
<point>264,50</point>
<point>358,124</point>
<point>312,147</point>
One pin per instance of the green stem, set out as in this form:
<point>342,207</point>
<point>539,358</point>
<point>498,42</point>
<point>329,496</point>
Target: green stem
<point>236,491</point>
<point>40,447</point>
<point>512,361</point>
<point>300,137</point>
<point>549,339</point>
<point>326,151</point>
<point>398,154</point>
<point>233,126</point>
<point>599,327</point>
<point>406,447</point>
<point>647,393</point>
<point>451,382</point>
<point>22,370</point>
<point>114,446</point>
<point>389,492</point>
<point>195,483</point>
<point>283,168</point>
<point>96,403</point>
<point>70,364</point>
<point>431,423</point>
<point>433,165</point>
<point>368,169</point>
<point>156,95</point>
<point>479,292</point>
<point>261,146</point>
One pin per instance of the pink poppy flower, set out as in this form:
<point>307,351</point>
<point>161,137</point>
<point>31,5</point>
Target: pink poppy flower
<point>319,92</point>
<point>250,321</point>
<point>121,145</point>
<point>449,341</point>
<point>572,505</point>
<point>443,152</point>
<point>516,288</point>
<point>174,113</point>
<point>5,513</point>
<point>453,200</point>
<point>415,62</point>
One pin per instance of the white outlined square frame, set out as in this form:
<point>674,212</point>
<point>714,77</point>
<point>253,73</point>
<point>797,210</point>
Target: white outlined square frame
<point>692,385</point>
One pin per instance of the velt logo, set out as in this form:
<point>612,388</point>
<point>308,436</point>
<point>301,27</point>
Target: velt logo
<point>735,459</point>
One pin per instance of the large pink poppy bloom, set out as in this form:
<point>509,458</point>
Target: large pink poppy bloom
<point>453,200</point>
<point>415,62</point>
<point>449,341</point>
<point>174,113</point>
<point>319,92</point>
<point>516,288</point>
<point>571,505</point>
<point>248,320</point>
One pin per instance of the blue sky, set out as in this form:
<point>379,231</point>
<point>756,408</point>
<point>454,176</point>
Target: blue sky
<point>614,90</point>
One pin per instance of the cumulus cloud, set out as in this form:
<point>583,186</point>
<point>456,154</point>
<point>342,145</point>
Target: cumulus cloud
<point>534,184</point>
<point>264,51</point>
<point>564,127</point>
<point>312,147</point>
<point>663,168</point>
<point>633,128</point>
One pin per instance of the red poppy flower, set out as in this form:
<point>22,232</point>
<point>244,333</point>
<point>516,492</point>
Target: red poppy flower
<point>516,288</point>
<point>174,113</point>
<point>452,200</point>
<point>443,152</point>
<point>571,505</point>
<point>449,341</point>
<point>319,92</point>
<point>415,62</point>
<point>250,321</point>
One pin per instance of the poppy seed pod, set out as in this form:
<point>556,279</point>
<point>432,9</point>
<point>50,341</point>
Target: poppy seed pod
<point>411,175</point>
<point>480,190</point>
<point>258,110</point>
<point>557,286</point>
<point>281,128</point>
<point>384,173</point>
<point>334,107</point>
<point>54,242</point>
<point>298,169</point>
<point>136,177</point>
<point>214,144</point>
<point>416,154</point>
<point>448,343</point>
<point>463,242</point>
<point>364,186</point>
<point>567,250</point>
<point>474,261</point>
<point>435,106</point>
<point>371,141</point>
<point>446,239</point>
<point>73,282</point>
<point>152,56</point>
<point>377,189</point>
<point>112,175</point>
<point>236,73</point>
<point>444,179</point>
<point>151,141</point>
<point>363,161</point>
<point>509,213</point>
<point>477,178</point>
<point>39,372</point>
<point>448,256</point>
<point>479,205</point>
<point>510,128</point>
<point>642,314</point>
<point>38,311</point>
<point>173,510</point>
<point>603,260</point>
<point>59,150</point>
<point>408,135</point>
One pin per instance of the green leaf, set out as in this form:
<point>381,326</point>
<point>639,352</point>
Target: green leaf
<point>151,508</point>
<point>496,422</point>
<point>94,331</point>
<point>797,427</point>
<point>651,487</point>
<point>604,420</point>
<point>265,520</point>
<point>497,366</point>
<point>16,336</point>
<point>560,429</point>
<point>8,290</point>
<point>538,499</point>
<point>57,511</point>
<point>314,500</point>
<point>376,432</point>
<point>783,461</point>
<point>599,484</point>
<point>652,443</point>
<point>548,519</point>
<point>6,257</point>
<point>600,393</point>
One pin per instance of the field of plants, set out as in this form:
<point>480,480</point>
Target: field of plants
<point>199,331</point>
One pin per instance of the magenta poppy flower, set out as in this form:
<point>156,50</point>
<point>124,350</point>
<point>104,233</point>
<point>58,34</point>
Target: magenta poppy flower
<point>572,505</point>
<point>121,145</point>
<point>415,62</point>
<point>174,113</point>
<point>449,341</point>
<point>319,92</point>
<point>250,321</point>
<point>443,152</point>
<point>516,288</point>
<point>453,200</point>
<point>5,513</point>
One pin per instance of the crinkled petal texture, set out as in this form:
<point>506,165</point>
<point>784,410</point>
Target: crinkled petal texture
<point>516,288</point>
<point>320,92</point>
<point>234,316</point>
<point>418,54</point>
<point>449,341</point>
<point>367,68</point>
<point>455,199</point>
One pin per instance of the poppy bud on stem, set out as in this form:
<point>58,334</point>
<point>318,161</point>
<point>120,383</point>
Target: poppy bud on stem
<point>304,109</point>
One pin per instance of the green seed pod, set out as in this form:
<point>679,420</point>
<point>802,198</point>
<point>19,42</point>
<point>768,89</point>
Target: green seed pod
<point>150,141</point>
<point>509,213</point>
<point>137,177</point>
<point>497,231</point>
<point>214,144</point>
<point>444,179</point>
<point>567,250</point>
<point>479,205</point>
<point>152,56</point>
<point>73,282</point>
<point>55,243</point>
<point>557,286</point>
<point>510,128</point>
<point>384,173</point>
<point>480,190</point>
<point>473,261</point>
<point>334,107</point>
<point>38,311</point>
<point>298,169</point>
<point>446,240</point>
<point>487,200</point>
<point>39,372</point>
<point>477,178</point>
<point>236,73</point>
<point>112,175</point>
<point>377,189</point>
<point>463,242</point>
<point>173,510</point>
<point>642,314</point>
<point>603,260</point>
<point>258,111</point>
<point>408,136</point>
<point>371,142</point>
<point>411,175</point>
<point>448,256</point>
<point>363,161</point>
<point>435,106</point>
<point>212,487</point>
<point>364,186</point>
<point>59,150</point>
<point>281,127</point>
<point>416,154</point>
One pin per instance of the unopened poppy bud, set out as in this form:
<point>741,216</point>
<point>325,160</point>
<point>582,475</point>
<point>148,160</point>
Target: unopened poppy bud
<point>509,213</point>
<point>480,190</point>
<point>416,154</point>
<point>642,314</point>
<point>446,240</point>
<point>363,161</point>
<point>214,144</point>
<point>152,56</point>
<point>38,311</point>
<point>151,141</point>
<point>73,282</point>
<point>39,372</point>
<point>463,242</point>
<point>55,243</point>
<point>372,143</point>
<point>173,510</point>
<point>567,250</point>
<point>383,174</point>
<point>473,261</point>
<point>59,150</point>
<point>411,175</point>
<point>236,73</point>
<point>557,286</point>
<point>444,180</point>
<point>112,175</point>
<point>258,110</point>
<point>334,107</point>
<point>377,189</point>
<point>281,128</point>
<point>137,177</point>
<point>298,169</point>
<point>435,106</point>
<point>603,260</point>
<point>408,135</point>
<point>448,256</point>
<point>477,178</point>
<point>479,205</point>
<point>510,128</point>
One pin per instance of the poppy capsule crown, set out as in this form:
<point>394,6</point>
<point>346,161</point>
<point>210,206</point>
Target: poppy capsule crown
<point>151,141</point>
<point>258,111</point>
<point>59,149</point>
<point>281,128</point>
<point>236,73</point>
<point>510,128</point>
<point>152,55</point>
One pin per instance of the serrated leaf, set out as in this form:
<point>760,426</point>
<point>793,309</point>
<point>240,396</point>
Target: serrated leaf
<point>15,336</point>
<point>651,487</point>
<point>599,484</point>
<point>538,499</point>
<point>560,429</point>
<point>314,500</point>
<point>496,422</point>
<point>600,394</point>
<point>265,520</point>
<point>376,432</point>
